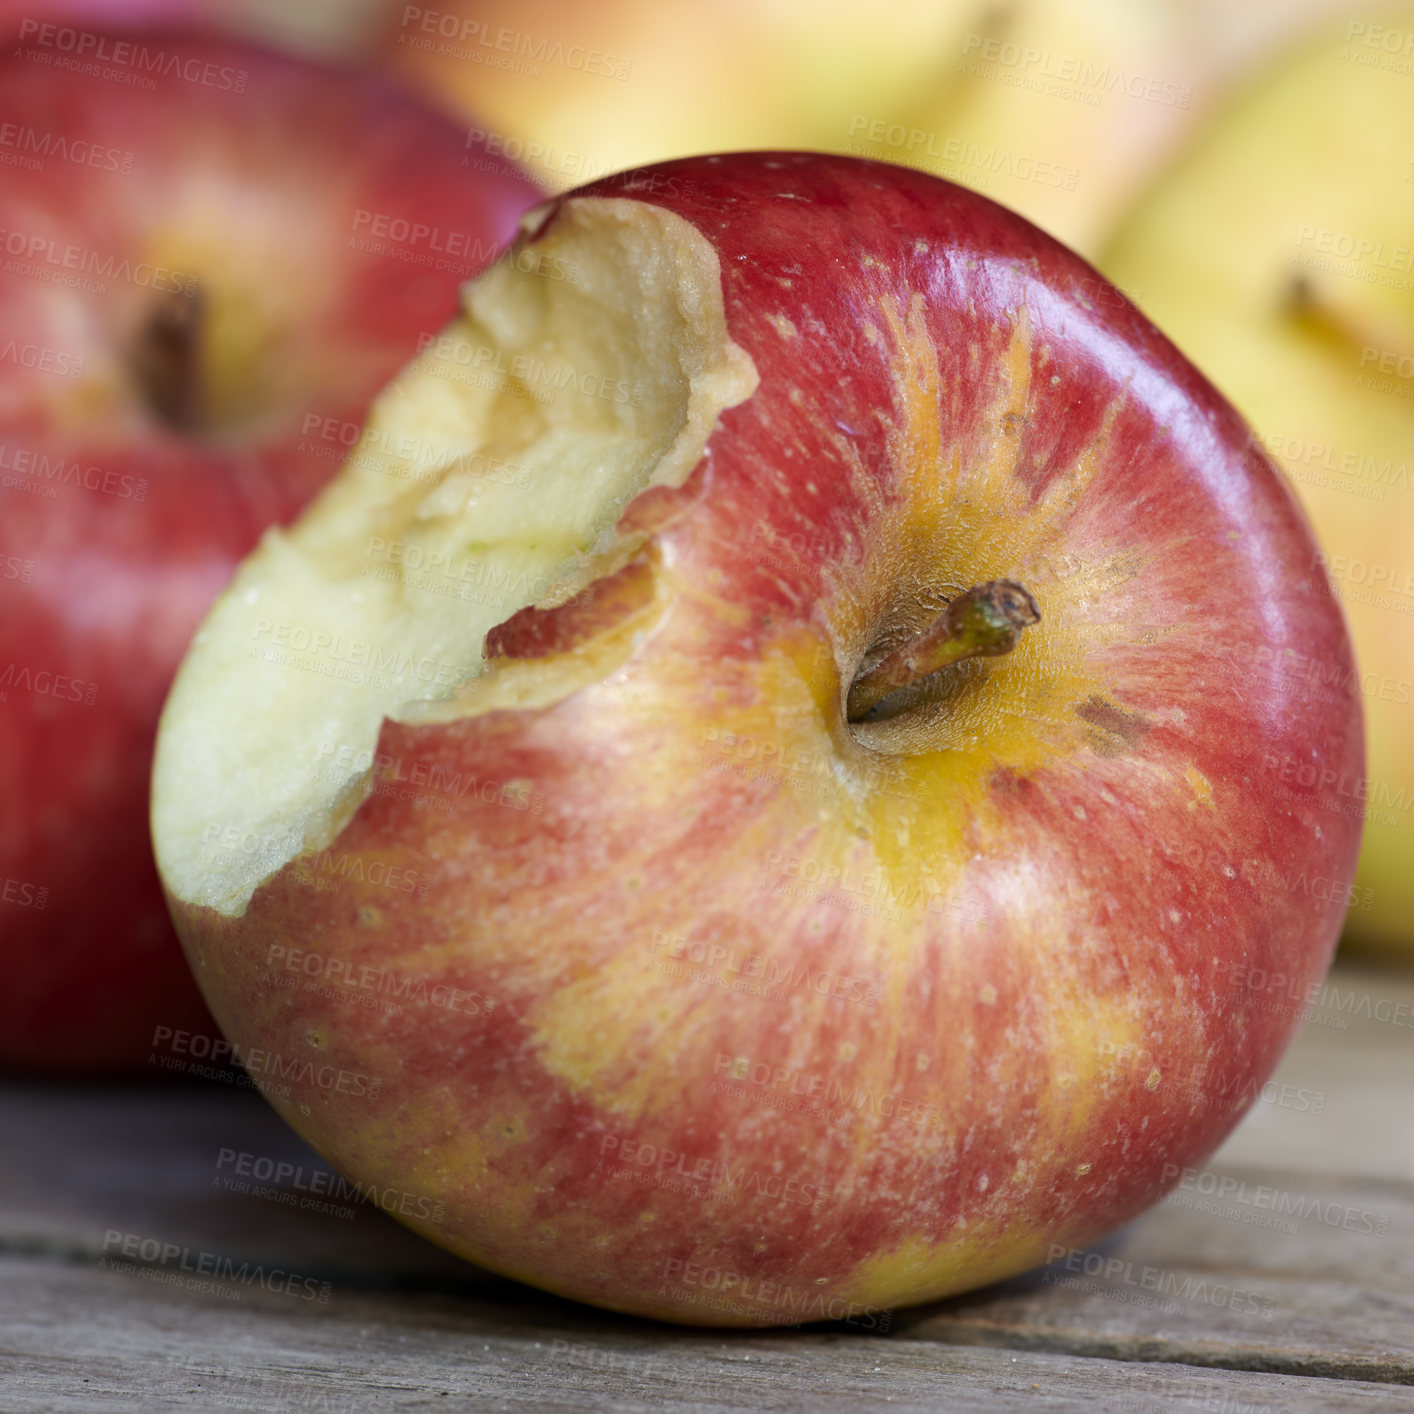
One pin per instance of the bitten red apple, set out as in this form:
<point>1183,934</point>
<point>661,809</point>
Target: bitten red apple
<point>210,259</point>
<point>775,826</point>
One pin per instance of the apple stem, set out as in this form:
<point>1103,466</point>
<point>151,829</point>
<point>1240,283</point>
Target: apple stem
<point>1350,333</point>
<point>168,359</point>
<point>983,622</point>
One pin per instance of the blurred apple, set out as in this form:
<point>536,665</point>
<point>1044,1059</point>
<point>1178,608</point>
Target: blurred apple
<point>206,276</point>
<point>16,15</point>
<point>1060,110</point>
<point>319,28</point>
<point>1057,109</point>
<point>1279,254</point>
<point>591,89</point>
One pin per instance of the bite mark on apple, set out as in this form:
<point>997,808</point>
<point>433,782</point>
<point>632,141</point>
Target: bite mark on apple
<point>631,363</point>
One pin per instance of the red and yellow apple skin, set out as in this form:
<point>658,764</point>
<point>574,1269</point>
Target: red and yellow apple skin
<point>119,524</point>
<point>684,997</point>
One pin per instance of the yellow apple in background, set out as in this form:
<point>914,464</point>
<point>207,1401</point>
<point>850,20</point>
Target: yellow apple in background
<point>329,29</point>
<point>1065,109</point>
<point>1056,108</point>
<point>1279,254</point>
<point>617,80</point>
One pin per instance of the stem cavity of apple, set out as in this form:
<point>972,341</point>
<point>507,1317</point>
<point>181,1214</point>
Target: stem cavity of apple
<point>984,622</point>
<point>167,361</point>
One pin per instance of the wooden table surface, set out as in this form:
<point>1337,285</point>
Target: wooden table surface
<point>1280,1278</point>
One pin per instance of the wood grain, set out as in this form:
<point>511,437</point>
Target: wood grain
<point>1280,1276</point>
<point>78,1339</point>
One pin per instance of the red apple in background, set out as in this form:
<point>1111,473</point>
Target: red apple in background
<point>205,274</point>
<point>26,16</point>
<point>320,28</point>
<point>781,823</point>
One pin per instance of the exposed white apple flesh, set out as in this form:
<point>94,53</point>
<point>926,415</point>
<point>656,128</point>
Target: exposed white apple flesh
<point>588,365</point>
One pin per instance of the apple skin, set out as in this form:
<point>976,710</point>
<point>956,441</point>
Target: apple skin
<point>254,194</point>
<point>472,994</point>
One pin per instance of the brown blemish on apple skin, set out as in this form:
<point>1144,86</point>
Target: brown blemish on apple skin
<point>1006,783</point>
<point>1117,731</point>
